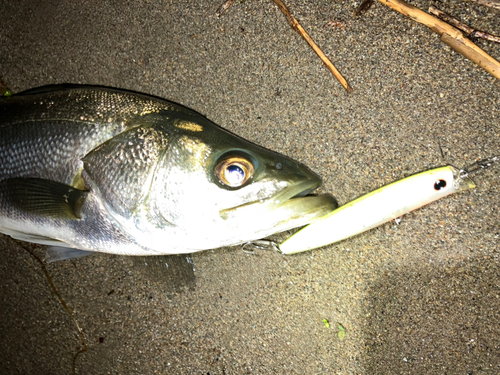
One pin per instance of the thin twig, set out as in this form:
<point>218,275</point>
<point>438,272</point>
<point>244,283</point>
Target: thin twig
<point>451,20</point>
<point>459,25</point>
<point>449,35</point>
<point>488,3</point>
<point>299,29</point>
<point>294,24</point>
<point>483,35</point>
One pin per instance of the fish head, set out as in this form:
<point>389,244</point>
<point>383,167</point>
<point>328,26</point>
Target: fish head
<point>218,189</point>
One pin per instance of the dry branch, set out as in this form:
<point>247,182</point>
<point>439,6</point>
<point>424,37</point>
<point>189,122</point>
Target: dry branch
<point>299,29</point>
<point>459,25</point>
<point>461,44</point>
<point>294,24</point>
<point>471,54</point>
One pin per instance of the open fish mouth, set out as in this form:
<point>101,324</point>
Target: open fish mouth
<point>301,209</point>
<point>302,189</point>
<point>292,207</point>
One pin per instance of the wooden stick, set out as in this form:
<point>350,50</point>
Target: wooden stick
<point>471,54</point>
<point>488,3</point>
<point>459,25</point>
<point>294,24</point>
<point>452,21</point>
<point>488,63</point>
<point>483,35</point>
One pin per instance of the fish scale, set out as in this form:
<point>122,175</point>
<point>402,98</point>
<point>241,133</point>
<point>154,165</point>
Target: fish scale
<point>136,148</point>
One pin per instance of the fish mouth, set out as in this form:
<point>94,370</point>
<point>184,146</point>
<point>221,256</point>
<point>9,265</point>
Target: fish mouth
<point>301,189</point>
<point>301,208</point>
<point>291,208</point>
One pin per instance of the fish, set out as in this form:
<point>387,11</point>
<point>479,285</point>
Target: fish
<point>100,169</point>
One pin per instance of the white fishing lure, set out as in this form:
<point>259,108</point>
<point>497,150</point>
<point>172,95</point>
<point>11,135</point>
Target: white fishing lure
<point>380,206</point>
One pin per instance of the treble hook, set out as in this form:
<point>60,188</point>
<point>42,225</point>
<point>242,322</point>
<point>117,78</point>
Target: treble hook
<point>477,167</point>
<point>260,245</point>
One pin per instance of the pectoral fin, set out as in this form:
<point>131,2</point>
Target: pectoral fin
<point>43,197</point>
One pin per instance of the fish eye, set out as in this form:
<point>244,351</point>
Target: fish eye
<point>439,184</point>
<point>234,171</point>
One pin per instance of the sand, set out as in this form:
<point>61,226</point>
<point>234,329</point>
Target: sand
<point>421,297</point>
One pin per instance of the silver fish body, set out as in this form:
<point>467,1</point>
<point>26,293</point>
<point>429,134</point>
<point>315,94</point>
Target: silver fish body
<point>106,170</point>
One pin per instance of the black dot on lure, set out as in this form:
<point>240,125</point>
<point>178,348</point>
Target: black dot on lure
<point>439,184</point>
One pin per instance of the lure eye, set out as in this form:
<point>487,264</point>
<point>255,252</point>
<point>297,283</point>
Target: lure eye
<point>439,184</point>
<point>234,171</point>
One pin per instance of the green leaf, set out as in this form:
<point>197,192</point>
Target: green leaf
<point>341,332</point>
<point>327,323</point>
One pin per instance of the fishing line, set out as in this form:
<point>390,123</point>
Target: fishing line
<point>64,304</point>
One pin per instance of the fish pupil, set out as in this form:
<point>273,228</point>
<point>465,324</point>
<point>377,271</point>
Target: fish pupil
<point>234,174</point>
<point>439,184</point>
